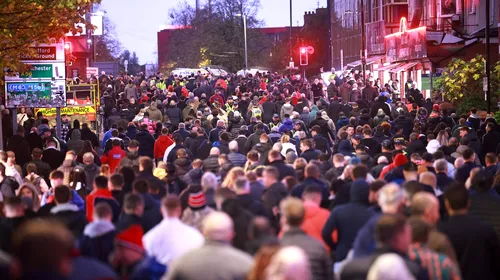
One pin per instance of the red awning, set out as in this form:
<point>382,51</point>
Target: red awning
<point>374,59</point>
<point>387,67</point>
<point>403,67</point>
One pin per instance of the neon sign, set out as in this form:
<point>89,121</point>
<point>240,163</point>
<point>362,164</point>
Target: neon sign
<point>407,44</point>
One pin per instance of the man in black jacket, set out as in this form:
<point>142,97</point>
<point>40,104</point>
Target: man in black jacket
<point>274,192</point>
<point>308,153</point>
<point>245,199</point>
<point>20,147</point>
<point>146,174</point>
<point>200,146</point>
<point>276,160</point>
<point>470,237</point>
<point>379,104</point>
<point>67,213</point>
<point>415,146</point>
<point>268,110</point>
<point>146,142</point>
<point>14,217</point>
<point>491,139</point>
<point>320,142</point>
<point>51,155</point>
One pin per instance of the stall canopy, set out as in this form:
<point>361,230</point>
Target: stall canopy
<point>388,67</point>
<point>354,64</point>
<point>374,59</point>
<point>403,67</point>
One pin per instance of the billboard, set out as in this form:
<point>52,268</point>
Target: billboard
<point>45,94</point>
<point>43,85</point>
<point>408,44</point>
<point>375,33</point>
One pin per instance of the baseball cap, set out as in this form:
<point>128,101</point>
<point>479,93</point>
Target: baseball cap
<point>356,136</point>
<point>244,128</point>
<point>399,141</point>
<point>276,116</point>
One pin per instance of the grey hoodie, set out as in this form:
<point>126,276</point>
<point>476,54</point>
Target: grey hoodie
<point>286,109</point>
<point>75,143</point>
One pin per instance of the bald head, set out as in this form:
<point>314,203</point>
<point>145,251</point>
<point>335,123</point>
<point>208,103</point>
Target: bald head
<point>425,205</point>
<point>218,226</point>
<point>214,151</point>
<point>428,178</point>
<point>289,263</point>
<point>88,158</point>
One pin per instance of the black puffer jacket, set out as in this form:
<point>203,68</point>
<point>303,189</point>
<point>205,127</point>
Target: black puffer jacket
<point>235,124</point>
<point>146,143</point>
<point>211,164</point>
<point>182,166</point>
<point>406,123</point>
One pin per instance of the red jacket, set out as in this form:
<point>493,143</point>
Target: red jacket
<point>113,158</point>
<point>161,144</point>
<point>102,195</point>
<point>218,98</point>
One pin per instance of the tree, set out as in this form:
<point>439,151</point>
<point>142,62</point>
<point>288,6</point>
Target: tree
<point>27,22</point>
<point>108,47</point>
<point>464,79</point>
<point>133,66</point>
<point>214,35</point>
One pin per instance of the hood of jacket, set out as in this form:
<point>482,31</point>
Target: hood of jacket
<point>345,147</point>
<point>131,129</point>
<point>129,86</point>
<point>182,162</point>
<point>235,120</point>
<point>359,192</point>
<point>132,155</point>
<point>76,135</point>
<point>288,122</point>
<point>98,228</point>
<point>287,106</point>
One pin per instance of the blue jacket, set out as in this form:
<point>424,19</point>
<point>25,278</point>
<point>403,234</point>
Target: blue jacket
<point>287,125</point>
<point>365,244</point>
<point>105,138</point>
<point>348,219</point>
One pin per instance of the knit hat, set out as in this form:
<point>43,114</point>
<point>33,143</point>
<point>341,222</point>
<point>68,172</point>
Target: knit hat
<point>435,107</point>
<point>400,160</point>
<point>197,200</point>
<point>131,238</point>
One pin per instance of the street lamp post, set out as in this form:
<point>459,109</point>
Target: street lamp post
<point>246,45</point>
<point>363,42</point>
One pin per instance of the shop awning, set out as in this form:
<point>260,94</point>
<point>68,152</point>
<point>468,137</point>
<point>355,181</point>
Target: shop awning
<point>387,67</point>
<point>403,67</point>
<point>374,59</point>
<point>354,64</point>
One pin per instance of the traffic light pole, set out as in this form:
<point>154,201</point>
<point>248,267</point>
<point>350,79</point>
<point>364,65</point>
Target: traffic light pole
<point>487,63</point>
<point>363,42</point>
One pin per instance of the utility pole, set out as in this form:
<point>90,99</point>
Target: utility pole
<point>363,42</point>
<point>487,64</point>
<point>291,48</point>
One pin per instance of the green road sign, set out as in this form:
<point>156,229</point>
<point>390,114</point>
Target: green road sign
<point>38,71</point>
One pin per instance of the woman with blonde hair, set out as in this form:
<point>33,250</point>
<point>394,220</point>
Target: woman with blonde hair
<point>231,177</point>
<point>443,138</point>
<point>286,145</point>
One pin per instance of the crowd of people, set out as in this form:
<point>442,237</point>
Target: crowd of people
<point>256,177</point>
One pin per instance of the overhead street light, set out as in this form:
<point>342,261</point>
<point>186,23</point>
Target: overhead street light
<point>245,35</point>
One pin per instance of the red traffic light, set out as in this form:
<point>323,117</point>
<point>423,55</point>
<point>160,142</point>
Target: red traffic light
<point>303,50</point>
